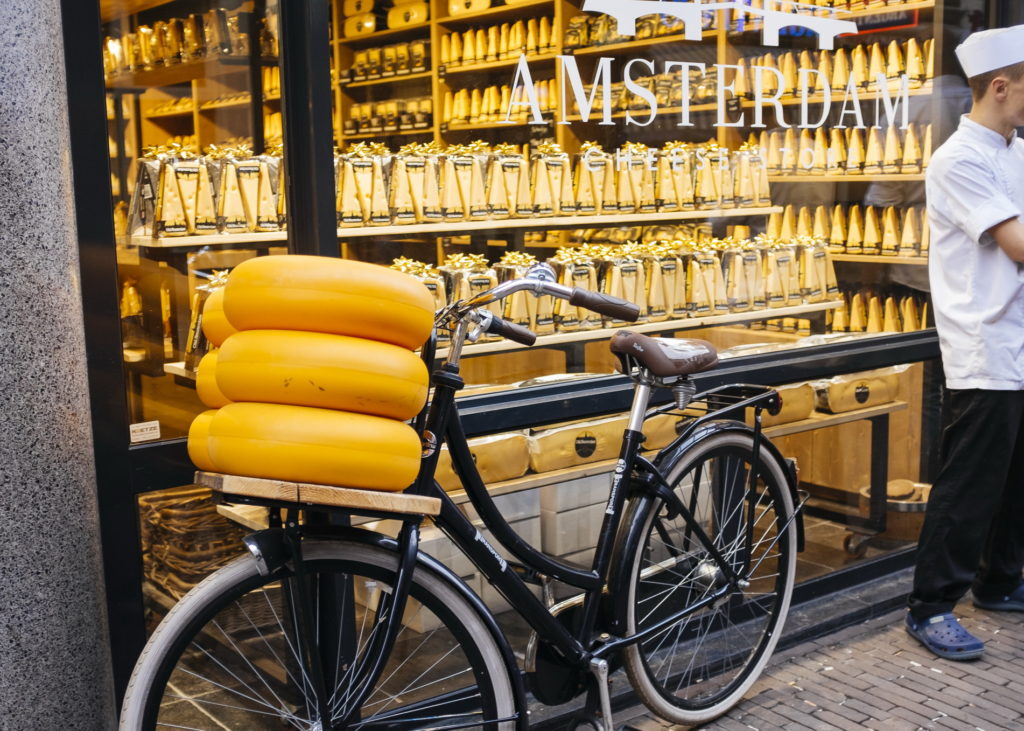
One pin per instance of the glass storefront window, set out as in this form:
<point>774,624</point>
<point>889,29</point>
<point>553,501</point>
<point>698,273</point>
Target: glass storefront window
<point>750,175</point>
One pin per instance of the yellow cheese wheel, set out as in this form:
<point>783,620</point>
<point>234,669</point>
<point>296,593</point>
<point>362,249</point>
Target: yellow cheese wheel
<point>321,370</point>
<point>198,441</point>
<point>302,444</point>
<point>321,294</point>
<point>206,382</point>
<point>216,327</point>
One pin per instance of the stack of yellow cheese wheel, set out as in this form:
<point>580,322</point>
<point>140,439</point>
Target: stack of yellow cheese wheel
<point>314,375</point>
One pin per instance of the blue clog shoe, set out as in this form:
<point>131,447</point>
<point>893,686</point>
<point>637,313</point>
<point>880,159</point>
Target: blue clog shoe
<point>1012,602</point>
<point>944,636</point>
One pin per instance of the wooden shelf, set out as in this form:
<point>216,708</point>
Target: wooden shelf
<point>384,135</point>
<point>114,9</point>
<point>180,73</point>
<point>387,34</point>
<point>504,63</point>
<point>233,104</point>
<point>877,259</point>
<point>496,15</point>
<point>837,96</point>
<point>477,126</point>
<point>185,112</point>
<point>876,178</point>
<point>627,46</point>
<point>898,8</point>
<point>186,242</point>
<point>690,323</point>
<point>596,117</point>
<point>820,420</point>
<point>388,80</point>
<point>863,13</point>
<point>449,228</point>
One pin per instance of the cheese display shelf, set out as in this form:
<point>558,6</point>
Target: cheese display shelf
<point>450,228</point>
<point>864,178</point>
<point>917,261</point>
<point>393,79</point>
<point>664,326</point>
<point>456,69</point>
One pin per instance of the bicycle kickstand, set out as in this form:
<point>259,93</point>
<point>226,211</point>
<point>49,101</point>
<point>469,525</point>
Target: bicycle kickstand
<point>597,713</point>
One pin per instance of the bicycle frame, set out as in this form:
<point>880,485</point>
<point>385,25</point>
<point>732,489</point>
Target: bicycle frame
<point>442,420</point>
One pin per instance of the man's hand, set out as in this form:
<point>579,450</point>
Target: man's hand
<point>1010,236</point>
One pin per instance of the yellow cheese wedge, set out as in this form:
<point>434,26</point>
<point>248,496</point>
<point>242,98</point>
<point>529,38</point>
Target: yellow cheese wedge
<point>876,64</point>
<point>915,63</point>
<point>875,152</point>
<point>891,322</point>
<point>855,231</point>
<point>911,317</point>
<point>321,370</point>
<point>892,159</point>
<point>875,320</point>
<point>911,163</point>
<point>206,383</point>
<point>836,160</point>
<point>788,228</point>
<point>855,153</point>
<point>206,211</point>
<point>890,232</point>
<point>859,68</point>
<point>838,234</point>
<point>840,69</point>
<point>858,314</point>
<point>323,294</point>
<point>216,327</point>
<point>320,446</point>
<point>804,227</point>
<point>872,243</point>
<point>575,444</point>
<point>910,237</point>
<point>821,227</point>
<point>841,317</point>
<point>198,442</point>
<point>824,77</point>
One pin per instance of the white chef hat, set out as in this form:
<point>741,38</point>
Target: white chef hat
<point>988,50</point>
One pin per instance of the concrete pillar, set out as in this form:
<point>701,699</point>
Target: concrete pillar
<point>54,656</point>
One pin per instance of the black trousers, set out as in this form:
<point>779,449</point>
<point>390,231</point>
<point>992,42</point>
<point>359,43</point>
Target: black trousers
<point>973,531</point>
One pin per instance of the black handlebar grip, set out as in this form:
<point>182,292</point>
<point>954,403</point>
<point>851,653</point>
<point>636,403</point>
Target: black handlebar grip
<point>511,331</point>
<point>605,304</point>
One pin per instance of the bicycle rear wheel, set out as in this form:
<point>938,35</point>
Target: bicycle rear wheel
<point>697,668</point>
<point>227,657</point>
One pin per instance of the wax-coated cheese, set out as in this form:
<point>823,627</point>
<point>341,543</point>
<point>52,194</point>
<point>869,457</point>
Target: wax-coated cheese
<point>215,323</point>
<point>302,444</point>
<point>198,442</point>
<point>499,458</point>
<point>576,444</point>
<point>206,383</point>
<point>322,294</point>
<point>322,370</point>
<point>857,391</point>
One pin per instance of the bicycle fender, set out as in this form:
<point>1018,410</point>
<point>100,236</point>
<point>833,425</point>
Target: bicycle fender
<point>386,543</point>
<point>671,454</point>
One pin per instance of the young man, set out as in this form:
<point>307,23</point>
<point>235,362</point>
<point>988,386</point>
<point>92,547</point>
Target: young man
<point>973,532</point>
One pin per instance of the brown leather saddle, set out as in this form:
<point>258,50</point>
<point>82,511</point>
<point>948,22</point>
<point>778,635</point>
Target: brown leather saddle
<point>664,357</point>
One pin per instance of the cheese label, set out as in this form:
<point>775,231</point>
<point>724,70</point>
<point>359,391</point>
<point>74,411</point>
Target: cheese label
<point>187,174</point>
<point>249,186</point>
<point>206,212</point>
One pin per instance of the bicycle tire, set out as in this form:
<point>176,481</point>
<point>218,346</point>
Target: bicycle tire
<point>698,668</point>
<point>171,686</point>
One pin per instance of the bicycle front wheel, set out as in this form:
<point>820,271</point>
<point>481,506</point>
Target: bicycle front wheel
<point>697,668</point>
<point>228,654</point>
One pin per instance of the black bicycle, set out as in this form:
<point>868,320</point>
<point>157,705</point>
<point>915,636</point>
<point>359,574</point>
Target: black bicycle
<point>324,626</point>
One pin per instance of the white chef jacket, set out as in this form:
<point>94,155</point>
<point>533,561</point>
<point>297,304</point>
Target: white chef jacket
<point>974,182</point>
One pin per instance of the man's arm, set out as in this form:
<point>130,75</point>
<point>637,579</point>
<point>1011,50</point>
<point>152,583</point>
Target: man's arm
<point>1010,236</point>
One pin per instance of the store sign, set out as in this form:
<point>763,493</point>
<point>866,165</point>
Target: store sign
<point>893,103</point>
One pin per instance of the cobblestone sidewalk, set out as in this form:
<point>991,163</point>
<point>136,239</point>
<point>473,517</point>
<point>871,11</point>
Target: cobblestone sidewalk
<point>875,676</point>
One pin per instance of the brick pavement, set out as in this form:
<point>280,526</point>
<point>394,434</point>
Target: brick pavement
<point>873,675</point>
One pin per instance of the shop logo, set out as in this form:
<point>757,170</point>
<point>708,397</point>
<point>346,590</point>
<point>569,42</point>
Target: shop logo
<point>585,99</point>
<point>626,13</point>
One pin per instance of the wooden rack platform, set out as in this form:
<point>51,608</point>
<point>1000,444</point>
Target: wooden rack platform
<point>341,497</point>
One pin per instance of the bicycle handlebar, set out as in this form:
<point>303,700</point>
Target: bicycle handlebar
<point>605,305</point>
<point>495,325</point>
